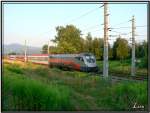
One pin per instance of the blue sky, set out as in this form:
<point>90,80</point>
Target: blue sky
<point>36,23</point>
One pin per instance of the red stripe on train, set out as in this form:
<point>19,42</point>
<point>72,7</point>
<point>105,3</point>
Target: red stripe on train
<point>67,62</point>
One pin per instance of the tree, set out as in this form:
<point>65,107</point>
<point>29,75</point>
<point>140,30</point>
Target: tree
<point>12,53</point>
<point>120,48</point>
<point>141,49</point>
<point>97,47</point>
<point>110,52</point>
<point>146,54</point>
<point>44,49</point>
<point>53,50</point>
<point>89,42</point>
<point>143,54</point>
<point>68,39</point>
<point>114,49</point>
<point>83,45</point>
<point>145,44</point>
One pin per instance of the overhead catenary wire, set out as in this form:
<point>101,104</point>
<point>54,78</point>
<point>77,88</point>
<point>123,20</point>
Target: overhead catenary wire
<point>126,27</point>
<point>99,25</point>
<point>92,27</point>
<point>121,33</point>
<point>88,12</point>
<point>121,23</point>
<point>111,29</point>
<point>140,35</point>
<point>96,30</point>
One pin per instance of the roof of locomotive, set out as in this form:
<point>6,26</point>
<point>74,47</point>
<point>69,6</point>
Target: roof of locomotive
<point>38,55</point>
<point>64,55</point>
<point>70,55</point>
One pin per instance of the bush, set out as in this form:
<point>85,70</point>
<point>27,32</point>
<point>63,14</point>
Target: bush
<point>143,63</point>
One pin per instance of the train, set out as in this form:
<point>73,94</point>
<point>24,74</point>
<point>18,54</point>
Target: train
<point>85,62</point>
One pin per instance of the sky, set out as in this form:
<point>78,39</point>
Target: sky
<point>36,23</point>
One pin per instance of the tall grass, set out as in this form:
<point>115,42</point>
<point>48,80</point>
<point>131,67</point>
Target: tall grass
<point>124,68</point>
<point>40,88</point>
<point>14,68</point>
<point>22,93</point>
<point>123,96</point>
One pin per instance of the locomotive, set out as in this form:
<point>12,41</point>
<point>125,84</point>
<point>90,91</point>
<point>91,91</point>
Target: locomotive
<point>81,62</point>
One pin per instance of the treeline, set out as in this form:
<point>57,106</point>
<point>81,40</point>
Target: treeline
<point>69,40</point>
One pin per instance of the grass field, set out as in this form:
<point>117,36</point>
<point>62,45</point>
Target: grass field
<point>34,87</point>
<point>123,67</point>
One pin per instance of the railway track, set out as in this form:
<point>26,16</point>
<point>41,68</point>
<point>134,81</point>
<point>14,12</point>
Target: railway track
<point>119,79</point>
<point>115,77</point>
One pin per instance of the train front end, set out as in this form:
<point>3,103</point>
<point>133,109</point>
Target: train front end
<point>90,63</point>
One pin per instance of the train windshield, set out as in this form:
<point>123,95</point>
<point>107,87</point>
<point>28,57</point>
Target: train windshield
<point>79,58</point>
<point>90,58</point>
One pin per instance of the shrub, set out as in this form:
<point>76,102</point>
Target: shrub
<point>143,63</point>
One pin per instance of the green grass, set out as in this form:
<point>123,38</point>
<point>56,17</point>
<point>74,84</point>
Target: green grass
<point>123,67</point>
<point>124,96</point>
<point>23,93</point>
<point>40,88</point>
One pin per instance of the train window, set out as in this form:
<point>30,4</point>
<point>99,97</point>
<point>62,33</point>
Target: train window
<point>90,59</point>
<point>50,56</point>
<point>80,58</point>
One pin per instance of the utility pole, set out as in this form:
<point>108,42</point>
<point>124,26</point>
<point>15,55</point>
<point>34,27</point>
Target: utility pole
<point>105,56</point>
<point>48,48</point>
<point>133,47</point>
<point>25,52</point>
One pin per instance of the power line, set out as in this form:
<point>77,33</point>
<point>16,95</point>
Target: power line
<point>122,23</point>
<point>141,26</point>
<point>140,35</point>
<point>120,32</point>
<point>127,27</point>
<point>96,30</point>
<point>85,14</point>
<point>91,27</point>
